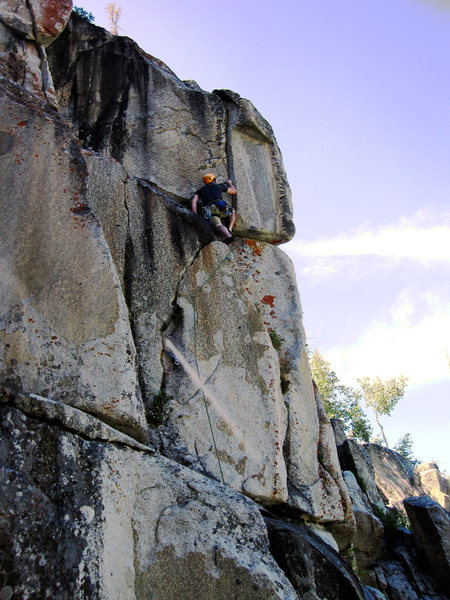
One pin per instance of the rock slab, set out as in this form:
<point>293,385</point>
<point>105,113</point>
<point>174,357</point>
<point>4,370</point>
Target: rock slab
<point>82,518</point>
<point>430,524</point>
<point>64,324</point>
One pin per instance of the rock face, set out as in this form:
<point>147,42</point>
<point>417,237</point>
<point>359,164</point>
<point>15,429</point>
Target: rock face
<point>64,323</point>
<point>26,29</point>
<point>143,362</point>
<point>430,524</point>
<point>436,485</point>
<point>315,569</point>
<point>83,518</point>
<point>41,21</point>
<point>157,245</point>
<point>170,132</point>
<point>394,474</point>
<point>355,457</point>
<point>221,341</point>
<point>368,542</point>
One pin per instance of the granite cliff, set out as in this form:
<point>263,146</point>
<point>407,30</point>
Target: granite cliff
<point>161,433</point>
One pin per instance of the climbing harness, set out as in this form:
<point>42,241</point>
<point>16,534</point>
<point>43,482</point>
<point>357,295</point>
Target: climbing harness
<point>218,208</point>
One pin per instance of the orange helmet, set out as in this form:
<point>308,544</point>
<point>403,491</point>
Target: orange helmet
<point>209,177</point>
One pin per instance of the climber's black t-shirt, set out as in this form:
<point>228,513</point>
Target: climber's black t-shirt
<point>211,191</point>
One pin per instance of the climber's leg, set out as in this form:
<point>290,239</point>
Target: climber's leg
<point>232,221</point>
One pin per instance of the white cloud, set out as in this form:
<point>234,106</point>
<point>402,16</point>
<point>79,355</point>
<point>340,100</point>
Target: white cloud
<point>422,237</point>
<point>407,344</point>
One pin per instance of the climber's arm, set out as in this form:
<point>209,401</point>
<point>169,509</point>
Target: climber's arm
<point>231,189</point>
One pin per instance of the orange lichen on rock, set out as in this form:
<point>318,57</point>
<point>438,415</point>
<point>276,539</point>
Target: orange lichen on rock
<point>254,246</point>
<point>268,300</point>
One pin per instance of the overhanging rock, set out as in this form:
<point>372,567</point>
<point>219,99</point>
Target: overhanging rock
<point>130,106</point>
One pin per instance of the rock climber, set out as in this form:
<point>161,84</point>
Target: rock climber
<point>214,208</point>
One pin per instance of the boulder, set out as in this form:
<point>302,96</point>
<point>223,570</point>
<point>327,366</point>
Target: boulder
<point>368,541</point>
<point>339,431</point>
<point>26,29</point>
<point>64,324</point>
<point>430,524</point>
<point>394,474</point>
<point>38,20</point>
<point>82,518</point>
<point>315,570</point>
<point>167,131</point>
<point>355,457</point>
<point>434,483</point>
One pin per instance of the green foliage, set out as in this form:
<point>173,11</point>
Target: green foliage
<point>285,383</point>
<point>276,339</point>
<point>360,426</point>
<point>156,410</point>
<point>285,369</point>
<point>325,379</point>
<point>84,14</point>
<point>383,396</point>
<point>340,401</point>
<point>392,519</point>
<point>404,447</point>
<point>285,363</point>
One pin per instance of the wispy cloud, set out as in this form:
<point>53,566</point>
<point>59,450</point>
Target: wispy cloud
<point>422,239</point>
<point>414,238</point>
<point>410,342</point>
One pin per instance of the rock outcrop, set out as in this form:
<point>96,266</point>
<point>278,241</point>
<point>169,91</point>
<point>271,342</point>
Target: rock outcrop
<point>436,485</point>
<point>89,519</point>
<point>208,310</point>
<point>388,557</point>
<point>394,475</point>
<point>26,29</point>
<point>430,524</point>
<point>131,107</point>
<point>155,389</point>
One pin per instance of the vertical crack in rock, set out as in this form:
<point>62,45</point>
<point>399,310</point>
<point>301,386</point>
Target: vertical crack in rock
<point>45,73</point>
<point>175,316</point>
<point>232,111</point>
<point>155,237</point>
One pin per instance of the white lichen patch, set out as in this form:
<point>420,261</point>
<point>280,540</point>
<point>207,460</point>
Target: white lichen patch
<point>88,513</point>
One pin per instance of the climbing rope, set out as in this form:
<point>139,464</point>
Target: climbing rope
<point>194,306</point>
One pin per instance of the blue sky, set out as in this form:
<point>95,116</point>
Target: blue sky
<point>358,96</point>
